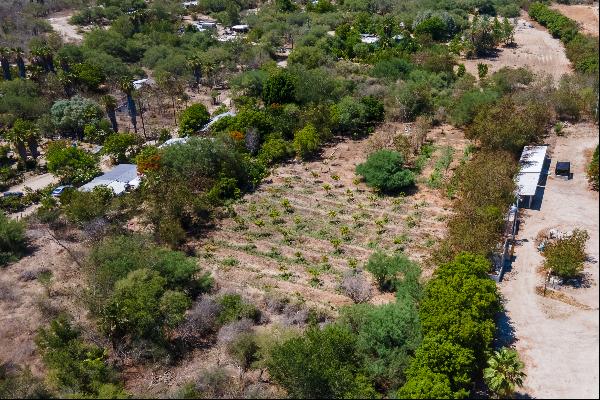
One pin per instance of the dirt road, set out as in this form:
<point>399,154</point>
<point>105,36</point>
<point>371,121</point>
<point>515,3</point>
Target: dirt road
<point>535,49</point>
<point>558,342</point>
<point>60,23</point>
<point>35,182</point>
<point>585,15</point>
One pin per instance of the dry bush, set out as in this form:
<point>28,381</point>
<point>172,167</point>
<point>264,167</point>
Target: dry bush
<point>200,321</point>
<point>217,383</point>
<point>357,287</point>
<point>229,332</point>
<point>32,274</point>
<point>7,293</point>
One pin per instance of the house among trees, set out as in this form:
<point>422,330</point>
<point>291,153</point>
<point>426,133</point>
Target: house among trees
<point>119,179</point>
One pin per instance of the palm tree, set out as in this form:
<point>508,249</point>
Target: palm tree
<point>19,53</point>
<point>5,53</point>
<point>127,87</point>
<point>504,372</point>
<point>24,134</point>
<point>194,63</point>
<point>110,105</point>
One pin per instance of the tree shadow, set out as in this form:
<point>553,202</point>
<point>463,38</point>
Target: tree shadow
<point>505,331</point>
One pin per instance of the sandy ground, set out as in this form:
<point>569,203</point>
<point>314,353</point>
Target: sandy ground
<point>558,342</point>
<point>535,49</point>
<point>35,182</point>
<point>27,304</point>
<point>60,23</point>
<point>585,15</point>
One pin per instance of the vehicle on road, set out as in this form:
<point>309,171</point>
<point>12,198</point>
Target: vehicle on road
<point>60,190</point>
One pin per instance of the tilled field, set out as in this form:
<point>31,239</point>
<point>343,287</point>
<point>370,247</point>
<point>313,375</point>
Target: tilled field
<point>311,223</point>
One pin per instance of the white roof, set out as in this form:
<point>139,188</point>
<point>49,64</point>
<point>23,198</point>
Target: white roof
<point>368,38</point>
<point>532,159</point>
<point>218,117</point>
<point>240,27</point>
<point>117,179</point>
<point>532,163</point>
<point>527,183</point>
<point>179,140</point>
<point>141,82</point>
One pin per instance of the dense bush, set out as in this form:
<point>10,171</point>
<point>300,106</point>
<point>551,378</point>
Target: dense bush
<point>391,271</point>
<point>385,171</point>
<point>13,241</point>
<point>76,367</point>
<point>72,116</point>
<point>81,207</point>
<point>566,257</point>
<point>307,142</point>
<point>320,364</point>
<point>234,308</point>
<point>120,146</point>
<point>192,119</point>
<point>71,164</point>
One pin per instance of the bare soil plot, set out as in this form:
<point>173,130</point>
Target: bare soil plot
<point>558,342</point>
<point>585,15</point>
<point>313,222</point>
<point>26,304</point>
<point>60,23</point>
<point>534,48</point>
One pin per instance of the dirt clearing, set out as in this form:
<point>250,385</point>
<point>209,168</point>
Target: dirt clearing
<point>558,342</point>
<point>585,15</point>
<point>60,23</point>
<point>534,48</point>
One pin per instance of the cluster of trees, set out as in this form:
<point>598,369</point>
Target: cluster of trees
<point>582,50</point>
<point>365,353</point>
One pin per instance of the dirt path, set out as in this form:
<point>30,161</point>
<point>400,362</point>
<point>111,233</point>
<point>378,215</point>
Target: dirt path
<point>60,23</point>
<point>558,342</point>
<point>585,15</point>
<point>35,182</point>
<point>535,49</point>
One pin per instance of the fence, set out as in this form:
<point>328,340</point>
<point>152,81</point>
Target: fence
<point>502,259</point>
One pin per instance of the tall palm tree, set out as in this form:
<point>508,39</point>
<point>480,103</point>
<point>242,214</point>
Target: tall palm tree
<point>5,54</point>
<point>194,63</point>
<point>110,105</point>
<point>20,60</point>
<point>24,134</point>
<point>504,372</point>
<point>127,87</point>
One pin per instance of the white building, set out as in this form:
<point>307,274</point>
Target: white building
<point>119,179</point>
<point>532,164</point>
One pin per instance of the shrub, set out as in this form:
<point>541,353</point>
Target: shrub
<point>385,171</point>
<point>387,269</point>
<point>192,119</point>
<point>278,88</point>
<point>566,257</point>
<point>306,142</point>
<point>71,116</point>
<point>320,364</point>
<point>13,242</point>
<point>234,308</point>
<point>74,366</point>
<point>142,308</point>
<point>357,287</point>
<point>81,207</point>
<point>244,350</point>
<point>274,149</point>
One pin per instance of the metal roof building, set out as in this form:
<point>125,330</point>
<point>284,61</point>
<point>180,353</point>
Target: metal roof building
<point>118,179</point>
<point>532,163</point>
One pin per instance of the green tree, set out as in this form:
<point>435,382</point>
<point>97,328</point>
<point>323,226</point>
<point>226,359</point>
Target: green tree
<point>278,88</point>
<point>71,164</point>
<point>13,242</point>
<point>504,373</point>
<point>120,146</point>
<point>566,257</point>
<point>81,207</point>
<point>24,134</point>
<point>192,119</point>
<point>72,115</point>
<point>306,142</point>
<point>385,171</point>
<point>321,364</point>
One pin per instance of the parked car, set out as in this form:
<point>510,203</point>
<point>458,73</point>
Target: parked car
<point>59,190</point>
<point>12,194</point>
